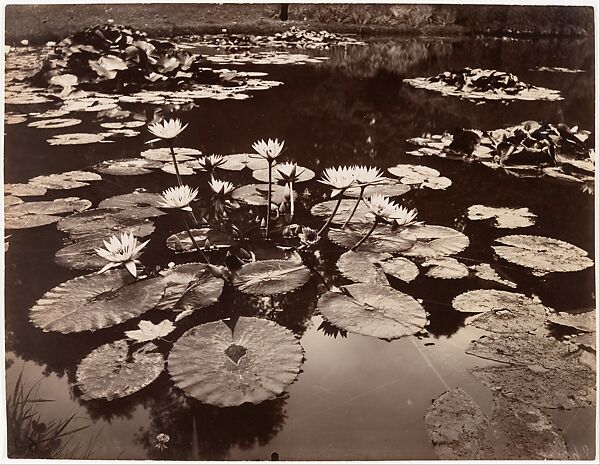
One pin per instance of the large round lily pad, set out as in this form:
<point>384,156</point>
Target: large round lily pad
<point>109,372</point>
<point>389,188</point>
<point>104,222</point>
<point>164,154</point>
<point>20,221</point>
<point>24,190</point>
<point>383,240</point>
<point>189,286</point>
<point>510,218</point>
<point>270,277</point>
<point>128,166</point>
<point>542,254</point>
<point>145,204</point>
<point>325,209</point>
<point>51,207</point>
<point>360,268</point>
<point>54,123</point>
<point>373,310</point>
<point>66,180</point>
<point>95,301</point>
<point>436,241</point>
<point>254,363</point>
<point>78,138</point>
<point>446,268</point>
<point>257,194</point>
<point>81,255</point>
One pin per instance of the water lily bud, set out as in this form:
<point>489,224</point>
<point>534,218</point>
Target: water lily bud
<point>263,223</point>
<point>25,42</point>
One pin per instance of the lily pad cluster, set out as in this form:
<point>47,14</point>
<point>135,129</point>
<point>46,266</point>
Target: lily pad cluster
<point>529,149</point>
<point>483,84</point>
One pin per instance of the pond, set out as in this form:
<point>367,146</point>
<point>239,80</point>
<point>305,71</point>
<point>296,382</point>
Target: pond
<point>356,397</point>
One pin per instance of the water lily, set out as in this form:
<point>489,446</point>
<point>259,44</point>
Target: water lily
<point>210,162</point>
<point>340,178</point>
<point>220,187</point>
<point>161,441</point>
<point>364,177</point>
<point>148,331</point>
<point>308,236</point>
<point>123,251</point>
<point>178,197</point>
<point>166,129</point>
<point>289,174</point>
<point>390,212</point>
<point>269,150</point>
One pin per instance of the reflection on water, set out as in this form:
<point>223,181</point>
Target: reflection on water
<point>356,397</point>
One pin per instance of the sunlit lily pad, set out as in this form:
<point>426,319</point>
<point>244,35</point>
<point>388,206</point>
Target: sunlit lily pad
<point>257,194</point>
<point>144,203</point>
<point>181,241</point>
<point>504,217</point>
<point>456,426</point>
<point>66,180</point>
<point>400,268</point>
<point>24,190</point>
<point>76,138</point>
<point>360,268</point>
<point>585,321</point>
<point>302,175</point>
<point>325,209</point>
<point>253,363</point>
<point>373,310</point>
<point>189,286</point>
<point>111,372</point>
<point>148,331</point>
<point>14,119</point>
<point>185,168</point>
<point>382,240</point>
<point>542,254</point>
<point>128,166</point>
<point>81,255</point>
<point>446,268</point>
<point>235,162</point>
<point>50,207</point>
<point>436,241</point>
<point>390,188</point>
<point>502,311</point>
<point>94,301</point>
<point>20,221</point>
<point>486,272</point>
<point>10,200</point>
<point>164,154</point>
<point>103,222</point>
<point>270,277</point>
<point>420,176</point>
<point>55,123</point>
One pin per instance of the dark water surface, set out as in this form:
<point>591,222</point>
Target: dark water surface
<point>357,397</point>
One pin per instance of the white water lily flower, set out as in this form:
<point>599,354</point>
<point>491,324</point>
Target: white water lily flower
<point>178,197</point>
<point>161,441</point>
<point>211,162</point>
<point>384,209</point>
<point>166,129</point>
<point>149,331</point>
<point>308,236</point>
<point>268,150</point>
<point>121,251</point>
<point>289,171</point>
<point>339,178</point>
<point>220,187</point>
<point>367,175</point>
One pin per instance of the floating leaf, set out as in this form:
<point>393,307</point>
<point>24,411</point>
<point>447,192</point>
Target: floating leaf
<point>253,364</point>
<point>181,242</point>
<point>94,302</point>
<point>10,200</point>
<point>189,286</point>
<point>436,241</point>
<point>503,311</point>
<point>24,190</point>
<point>257,194</point>
<point>585,321</point>
<point>456,426</point>
<point>67,180</point>
<point>14,119</point>
<point>81,255</point>
<point>504,217</point>
<point>446,268</point>
<point>52,207</point>
<point>235,162</point>
<point>359,268</point>
<point>104,222</point>
<point>20,221</point>
<point>145,204</point>
<point>485,271</point>
<point>542,254</point>
<point>400,268</point>
<point>54,123</point>
<point>325,209</point>
<point>128,167</point>
<point>270,277</point>
<point>382,240</point>
<point>164,154</point>
<point>586,340</point>
<point>76,138</point>
<point>302,175</point>
<point>185,168</point>
<point>109,372</point>
<point>390,188</point>
<point>373,310</point>
<point>148,331</point>
<point>403,171</point>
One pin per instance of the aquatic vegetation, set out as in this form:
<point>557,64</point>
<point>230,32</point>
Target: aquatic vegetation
<point>178,197</point>
<point>148,331</point>
<point>121,251</point>
<point>510,218</point>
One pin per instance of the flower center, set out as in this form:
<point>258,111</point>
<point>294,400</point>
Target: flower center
<point>235,353</point>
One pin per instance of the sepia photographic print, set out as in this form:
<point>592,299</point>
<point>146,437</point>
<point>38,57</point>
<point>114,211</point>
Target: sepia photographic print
<point>299,232</point>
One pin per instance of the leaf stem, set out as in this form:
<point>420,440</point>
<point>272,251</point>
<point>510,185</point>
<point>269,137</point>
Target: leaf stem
<point>359,243</point>
<point>269,197</point>
<point>175,164</point>
<point>187,228</point>
<point>330,219</point>
<point>291,187</point>
<point>362,190</point>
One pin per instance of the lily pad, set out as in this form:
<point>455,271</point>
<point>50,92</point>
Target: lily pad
<point>420,176</point>
<point>52,207</point>
<point>54,123</point>
<point>66,180</point>
<point>390,188</point>
<point>382,240</point>
<point>110,372</point>
<point>325,209</point>
<point>81,255</point>
<point>359,268</point>
<point>148,331</point>
<point>103,222</point>
<point>181,242</point>
<point>446,268</point>
<point>76,138</point>
<point>20,221</point>
<point>436,241</point>
<point>542,254</point>
<point>270,277</point>
<point>145,204</point>
<point>302,175</point>
<point>257,194</point>
<point>24,190</point>
<point>585,321</point>
<point>510,218</point>
<point>401,268</point>
<point>456,426</point>
<point>10,200</point>
<point>164,154</point>
<point>189,285</point>
<point>486,272</point>
<point>373,310</point>
<point>254,363</point>
<point>128,167</point>
<point>503,311</point>
<point>235,162</point>
<point>95,301</point>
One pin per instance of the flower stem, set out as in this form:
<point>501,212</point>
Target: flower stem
<point>187,228</point>
<point>359,243</point>
<point>291,187</point>
<point>269,197</point>
<point>362,190</point>
<point>330,219</point>
<point>176,165</point>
